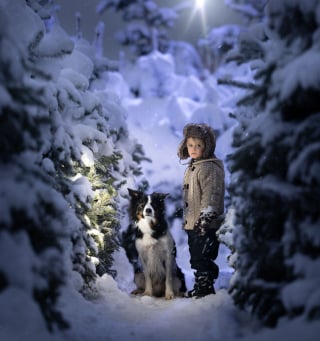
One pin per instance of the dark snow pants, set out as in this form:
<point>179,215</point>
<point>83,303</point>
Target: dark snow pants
<point>203,251</point>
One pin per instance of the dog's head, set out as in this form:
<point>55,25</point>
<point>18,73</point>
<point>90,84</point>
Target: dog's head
<point>143,206</point>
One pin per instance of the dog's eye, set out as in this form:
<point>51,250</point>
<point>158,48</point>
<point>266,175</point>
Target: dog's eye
<point>140,207</point>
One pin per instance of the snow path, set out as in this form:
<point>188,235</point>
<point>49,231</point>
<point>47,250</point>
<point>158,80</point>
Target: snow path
<point>117,315</point>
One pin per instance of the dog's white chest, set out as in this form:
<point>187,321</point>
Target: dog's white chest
<point>147,240</point>
<point>154,253</point>
<point>144,225</point>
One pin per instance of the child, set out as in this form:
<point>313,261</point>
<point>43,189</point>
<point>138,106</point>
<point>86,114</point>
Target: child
<point>203,194</point>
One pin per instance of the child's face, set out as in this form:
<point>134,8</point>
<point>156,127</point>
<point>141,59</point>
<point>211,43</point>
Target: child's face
<point>195,147</point>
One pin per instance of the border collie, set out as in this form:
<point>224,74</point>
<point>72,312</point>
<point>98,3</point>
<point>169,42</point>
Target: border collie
<point>151,249</point>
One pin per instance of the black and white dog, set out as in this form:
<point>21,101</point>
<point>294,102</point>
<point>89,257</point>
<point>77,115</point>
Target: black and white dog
<point>151,249</point>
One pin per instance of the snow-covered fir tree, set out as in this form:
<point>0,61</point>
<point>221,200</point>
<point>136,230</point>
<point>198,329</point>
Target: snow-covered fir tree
<point>275,172</point>
<point>147,24</point>
<point>61,165</point>
<point>215,46</point>
<point>36,222</point>
<point>252,10</point>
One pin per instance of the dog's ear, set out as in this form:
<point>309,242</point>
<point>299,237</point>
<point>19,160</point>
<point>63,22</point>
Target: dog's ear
<point>133,193</point>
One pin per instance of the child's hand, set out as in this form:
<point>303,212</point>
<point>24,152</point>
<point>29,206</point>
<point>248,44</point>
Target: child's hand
<point>203,223</point>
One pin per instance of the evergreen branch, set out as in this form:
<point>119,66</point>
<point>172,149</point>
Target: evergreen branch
<point>238,84</point>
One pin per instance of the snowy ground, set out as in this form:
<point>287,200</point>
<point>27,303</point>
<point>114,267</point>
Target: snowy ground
<point>117,315</point>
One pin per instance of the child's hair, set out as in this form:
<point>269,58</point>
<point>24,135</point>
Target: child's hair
<point>201,131</point>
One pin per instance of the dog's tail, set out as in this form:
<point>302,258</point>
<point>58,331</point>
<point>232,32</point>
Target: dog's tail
<point>180,275</point>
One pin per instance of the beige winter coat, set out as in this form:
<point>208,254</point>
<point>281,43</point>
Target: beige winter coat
<point>203,191</point>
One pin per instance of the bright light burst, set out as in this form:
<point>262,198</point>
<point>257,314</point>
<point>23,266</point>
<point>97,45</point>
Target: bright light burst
<point>200,4</point>
<point>198,13</point>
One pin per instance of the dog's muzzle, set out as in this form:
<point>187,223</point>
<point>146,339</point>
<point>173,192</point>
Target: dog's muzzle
<point>148,212</point>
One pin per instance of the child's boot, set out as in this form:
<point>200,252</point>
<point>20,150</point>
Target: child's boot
<point>203,285</point>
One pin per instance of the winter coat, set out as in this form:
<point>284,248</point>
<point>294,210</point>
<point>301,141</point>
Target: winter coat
<point>203,191</point>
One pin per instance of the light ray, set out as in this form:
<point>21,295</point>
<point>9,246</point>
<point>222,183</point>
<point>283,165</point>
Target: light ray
<point>198,10</point>
<point>200,4</point>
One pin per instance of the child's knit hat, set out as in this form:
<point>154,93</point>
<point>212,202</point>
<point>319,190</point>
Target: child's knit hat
<point>201,131</point>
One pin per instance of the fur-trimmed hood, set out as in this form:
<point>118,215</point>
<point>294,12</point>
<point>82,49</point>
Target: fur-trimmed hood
<point>201,131</point>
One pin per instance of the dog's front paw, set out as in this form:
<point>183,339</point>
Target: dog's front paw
<point>169,295</point>
<point>147,293</point>
<point>137,291</point>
